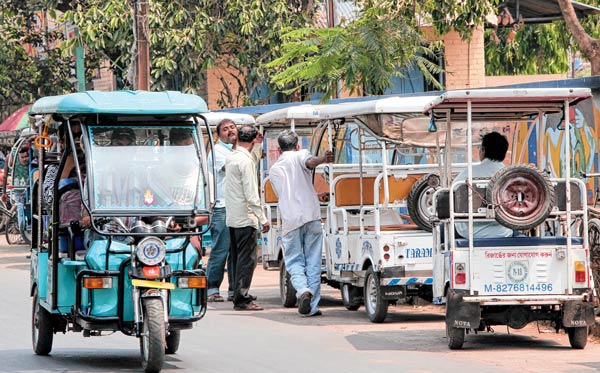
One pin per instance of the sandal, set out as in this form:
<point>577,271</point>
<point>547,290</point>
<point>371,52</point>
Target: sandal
<point>215,298</point>
<point>248,307</point>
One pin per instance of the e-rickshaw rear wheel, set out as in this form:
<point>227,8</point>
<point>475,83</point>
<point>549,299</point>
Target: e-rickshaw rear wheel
<point>578,337</point>
<point>153,340</point>
<point>173,342</point>
<point>375,305</point>
<point>456,337</point>
<point>42,332</point>
<point>286,289</point>
<point>351,297</point>
<point>594,239</point>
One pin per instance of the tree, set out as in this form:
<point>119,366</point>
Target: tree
<point>588,45</point>
<point>536,49</point>
<point>31,65</point>
<point>366,53</point>
<point>189,37</point>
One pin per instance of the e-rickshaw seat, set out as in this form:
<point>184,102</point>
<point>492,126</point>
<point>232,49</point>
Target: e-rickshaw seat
<point>347,190</point>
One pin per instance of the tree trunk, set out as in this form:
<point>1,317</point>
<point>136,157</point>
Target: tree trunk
<point>589,46</point>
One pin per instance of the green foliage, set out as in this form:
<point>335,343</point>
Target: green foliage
<point>536,49</point>
<point>462,16</point>
<point>30,63</point>
<point>187,37</point>
<point>365,54</point>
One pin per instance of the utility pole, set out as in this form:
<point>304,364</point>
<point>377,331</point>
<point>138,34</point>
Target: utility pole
<point>143,44</point>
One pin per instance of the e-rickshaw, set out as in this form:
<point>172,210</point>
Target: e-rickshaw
<point>379,245</point>
<point>542,272</point>
<point>126,264</point>
<point>302,119</point>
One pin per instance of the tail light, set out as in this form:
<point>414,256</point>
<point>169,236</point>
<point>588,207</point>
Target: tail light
<point>580,272</point>
<point>97,282</point>
<point>151,271</point>
<point>198,282</point>
<point>460,276</point>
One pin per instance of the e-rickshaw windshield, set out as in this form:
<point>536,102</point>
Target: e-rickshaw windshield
<point>145,169</point>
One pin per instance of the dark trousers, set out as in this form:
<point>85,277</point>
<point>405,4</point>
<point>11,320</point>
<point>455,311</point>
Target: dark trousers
<point>243,254</point>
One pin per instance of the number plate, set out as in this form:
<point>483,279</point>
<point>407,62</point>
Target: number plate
<point>152,284</point>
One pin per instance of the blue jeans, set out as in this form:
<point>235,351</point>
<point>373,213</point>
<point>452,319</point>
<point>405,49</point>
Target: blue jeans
<point>303,255</point>
<point>219,254</point>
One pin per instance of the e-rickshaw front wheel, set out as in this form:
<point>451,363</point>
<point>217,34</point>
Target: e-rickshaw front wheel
<point>152,340</point>
<point>286,289</point>
<point>41,327</point>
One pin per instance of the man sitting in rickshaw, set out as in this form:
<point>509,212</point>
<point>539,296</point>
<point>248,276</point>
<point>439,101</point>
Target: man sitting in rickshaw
<point>491,153</point>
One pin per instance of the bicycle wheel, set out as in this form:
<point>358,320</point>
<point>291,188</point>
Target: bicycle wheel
<point>13,235</point>
<point>4,215</point>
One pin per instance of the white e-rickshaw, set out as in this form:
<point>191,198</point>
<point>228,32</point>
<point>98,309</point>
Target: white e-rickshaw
<point>542,272</point>
<point>378,233</point>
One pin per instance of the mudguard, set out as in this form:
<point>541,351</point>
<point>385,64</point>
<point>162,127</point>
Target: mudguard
<point>578,314</point>
<point>460,314</point>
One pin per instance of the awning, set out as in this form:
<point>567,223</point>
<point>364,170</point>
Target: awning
<point>17,120</point>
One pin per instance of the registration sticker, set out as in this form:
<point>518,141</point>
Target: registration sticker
<point>517,271</point>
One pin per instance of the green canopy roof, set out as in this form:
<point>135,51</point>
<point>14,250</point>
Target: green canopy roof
<point>121,102</point>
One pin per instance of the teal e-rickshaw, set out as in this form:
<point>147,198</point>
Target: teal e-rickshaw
<point>135,163</point>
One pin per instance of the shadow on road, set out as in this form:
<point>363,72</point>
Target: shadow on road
<point>435,341</point>
<point>77,360</point>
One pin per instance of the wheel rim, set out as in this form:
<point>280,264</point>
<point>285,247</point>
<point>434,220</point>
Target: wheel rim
<point>520,197</point>
<point>426,203</point>
<point>371,293</point>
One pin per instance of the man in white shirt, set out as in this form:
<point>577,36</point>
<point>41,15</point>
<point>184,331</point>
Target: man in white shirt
<point>302,235</point>
<point>244,214</point>
<point>492,152</point>
<point>219,233</point>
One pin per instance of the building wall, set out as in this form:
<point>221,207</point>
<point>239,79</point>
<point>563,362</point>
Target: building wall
<point>105,79</point>
<point>495,81</point>
<point>464,61</point>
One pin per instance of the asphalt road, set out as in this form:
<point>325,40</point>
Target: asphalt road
<point>278,340</point>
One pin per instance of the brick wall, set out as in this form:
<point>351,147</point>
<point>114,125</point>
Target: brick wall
<point>465,61</point>
<point>495,81</point>
<point>105,80</point>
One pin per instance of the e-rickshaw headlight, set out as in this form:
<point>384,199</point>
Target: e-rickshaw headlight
<point>151,251</point>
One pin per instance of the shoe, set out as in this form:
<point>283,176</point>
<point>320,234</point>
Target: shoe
<point>248,307</point>
<point>318,313</point>
<point>215,298</point>
<point>304,304</point>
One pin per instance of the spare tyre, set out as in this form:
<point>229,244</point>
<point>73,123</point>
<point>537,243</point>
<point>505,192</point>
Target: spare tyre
<point>522,196</point>
<point>420,200</point>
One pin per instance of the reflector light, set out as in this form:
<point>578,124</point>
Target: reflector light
<point>580,271</point>
<point>151,272</point>
<point>198,282</point>
<point>460,277</point>
<point>386,256</point>
<point>97,282</point>
<point>386,248</point>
